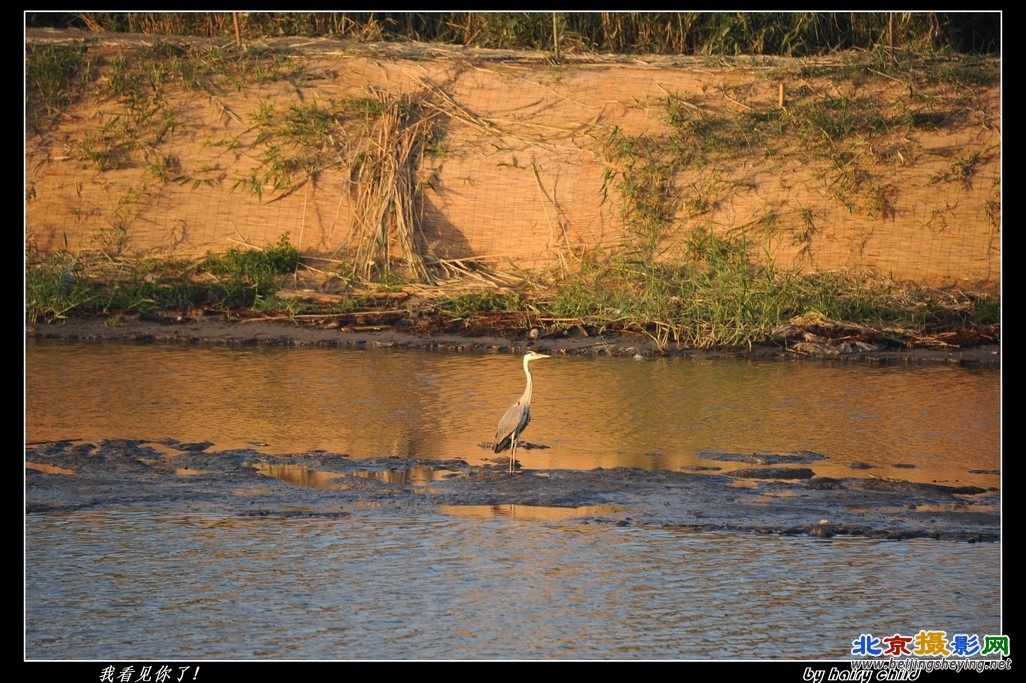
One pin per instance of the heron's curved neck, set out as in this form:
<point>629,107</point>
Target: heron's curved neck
<point>527,371</point>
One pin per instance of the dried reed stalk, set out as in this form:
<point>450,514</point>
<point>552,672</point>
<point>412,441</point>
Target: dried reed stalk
<point>385,188</point>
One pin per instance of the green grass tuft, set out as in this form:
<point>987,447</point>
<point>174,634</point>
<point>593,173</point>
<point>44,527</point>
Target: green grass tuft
<point>55,287</point>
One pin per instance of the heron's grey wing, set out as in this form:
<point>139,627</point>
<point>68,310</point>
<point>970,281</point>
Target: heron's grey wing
<point>525,418</point>
<point>508,426</point>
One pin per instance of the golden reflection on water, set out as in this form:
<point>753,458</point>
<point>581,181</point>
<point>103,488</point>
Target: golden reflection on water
<point>47,469</point>
<point>186,472</point>
<point>942,421</point>
<point>298,475</point>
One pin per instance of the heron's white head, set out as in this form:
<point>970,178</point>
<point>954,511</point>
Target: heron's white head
<point>533,355</point>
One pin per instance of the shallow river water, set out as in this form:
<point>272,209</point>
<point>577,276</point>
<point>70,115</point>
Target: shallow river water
<point>933,423</point>
<point>121,581</point>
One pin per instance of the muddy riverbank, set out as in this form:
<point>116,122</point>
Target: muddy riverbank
<point>329,331</point>
<point>67,476</point>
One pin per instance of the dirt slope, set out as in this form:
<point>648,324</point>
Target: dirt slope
<point>524,168</point>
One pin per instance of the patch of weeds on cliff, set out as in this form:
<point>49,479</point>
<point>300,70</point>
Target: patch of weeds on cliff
<point>54,287</point>
<point>55,76</point>
<point>466,305</point>
<point>246,274</point>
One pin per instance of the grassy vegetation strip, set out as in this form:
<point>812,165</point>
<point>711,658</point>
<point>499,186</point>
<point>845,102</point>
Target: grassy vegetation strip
<point>717,302</point>
<point>781,33</point>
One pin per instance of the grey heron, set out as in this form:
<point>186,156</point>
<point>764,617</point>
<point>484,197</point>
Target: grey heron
<point>516,418</point>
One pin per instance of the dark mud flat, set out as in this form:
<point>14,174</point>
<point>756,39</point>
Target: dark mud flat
<point>170,476</point>
<point>335,331</point>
